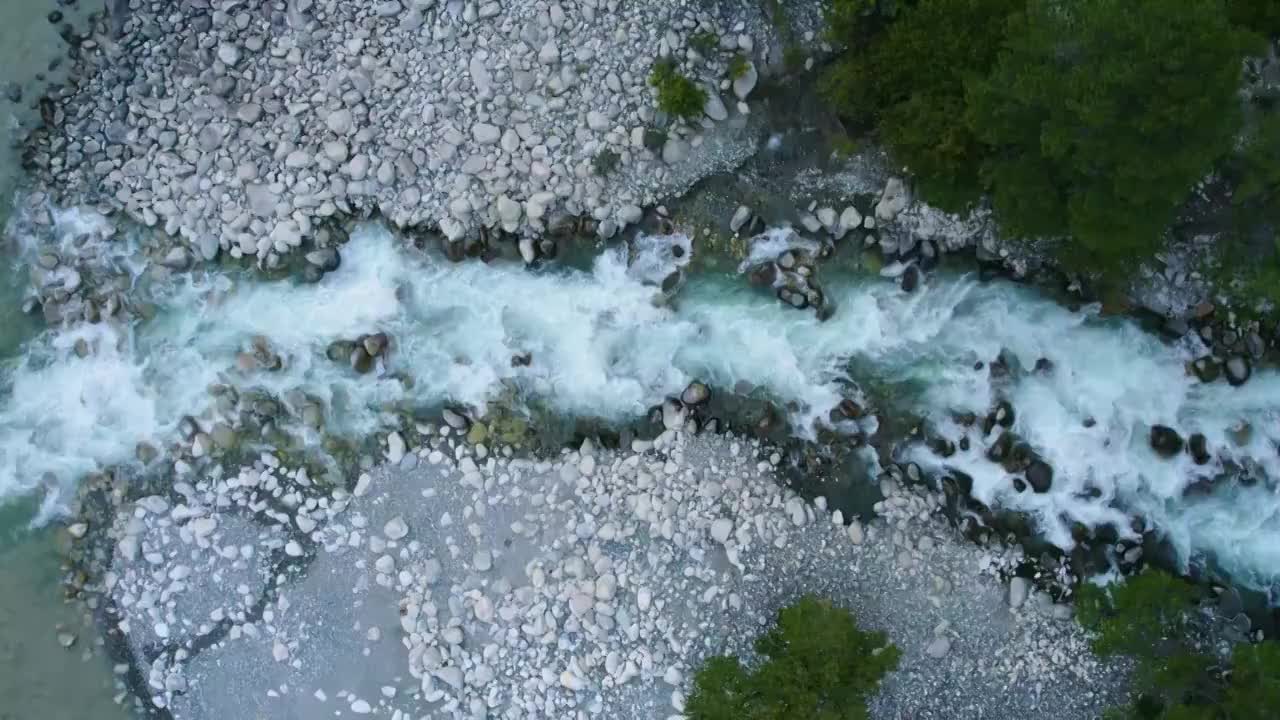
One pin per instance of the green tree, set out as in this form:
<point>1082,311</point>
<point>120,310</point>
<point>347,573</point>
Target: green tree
<point>1102,114</point>
<point>1260,16</point>
<point>904,73</point>
<point>817,666</point>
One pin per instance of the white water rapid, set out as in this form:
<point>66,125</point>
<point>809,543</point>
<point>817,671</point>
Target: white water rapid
<point>601,347</point>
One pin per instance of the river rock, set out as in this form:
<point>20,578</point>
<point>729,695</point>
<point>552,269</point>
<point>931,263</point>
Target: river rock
<point>674,414</point>
<point>910,279</point>
<point>714,106</point>
<point>893,200</point>
<point>1040,476</point>
<point>696,393</point>
<point>740,218</point>
<point>1238,369</point>
<point>1165,441</point>
<point>1198,446</point>
<point>1019,588</point>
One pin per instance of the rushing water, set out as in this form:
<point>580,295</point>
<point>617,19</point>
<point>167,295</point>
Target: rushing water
<point>602,346</point>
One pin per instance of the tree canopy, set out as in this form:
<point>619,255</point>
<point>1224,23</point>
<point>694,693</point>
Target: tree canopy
<point>1101,115</point>
<point>817,665</point>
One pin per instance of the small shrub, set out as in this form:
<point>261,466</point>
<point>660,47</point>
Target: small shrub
<point>704,42</point>
<point>677,95</point>
<point>605,162</point>
<point>738,66</point>
<point>818,665</point>
<point>793,58</point>
<point>655,138</point>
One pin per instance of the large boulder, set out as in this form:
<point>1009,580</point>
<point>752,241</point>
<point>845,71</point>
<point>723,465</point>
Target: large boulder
<point>1238,369</point>
<point>1165,441</point>
<point>1040,476</point>
<point>696,393</point>
<point>1198,445</point>
<point>893,200</point>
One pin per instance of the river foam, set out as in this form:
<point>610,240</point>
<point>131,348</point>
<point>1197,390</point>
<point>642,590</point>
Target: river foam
<point>603,345</point>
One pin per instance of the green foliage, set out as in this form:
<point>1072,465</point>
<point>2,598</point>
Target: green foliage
<point>1257,165</point>
<point>605,162</point>
<point>738,66</point>
<point>677,95</point>
<point>1147,618</point>
<point>1260,16</point>
<point>818,665</point>
<point>1102,114</point>
<point>793,57</point>
<point>704,42</point>
<point>905,73</point>
<point>1134,617</point>
<point>655,138</point>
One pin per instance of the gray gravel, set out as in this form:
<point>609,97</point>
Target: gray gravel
<point>464,583</point>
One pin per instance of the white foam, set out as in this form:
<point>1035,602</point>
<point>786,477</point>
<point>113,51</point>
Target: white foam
<point>602,347</point>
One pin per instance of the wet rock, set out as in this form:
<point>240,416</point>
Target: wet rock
<point>375,344</point>
<point>327,259</point>
<point>1044,366</point>
<point>1238,369</point>
<point>696,393</point>
<point>893,200</point>
<point>910,279</point>
<point>1040,476</point>
<point>361,361</point>
<point>1019,588</point>
<point>673,414</point>
<point>340,350</point>
<point>740,218</point>
<point>1165,441</point>
<point>455,419</point>
<point>1198,446</point>
<point>1001,448</point>
<point>764,275</point>
<point>1206,369</point>
<point>1003,415</point>
<point>794,298</point>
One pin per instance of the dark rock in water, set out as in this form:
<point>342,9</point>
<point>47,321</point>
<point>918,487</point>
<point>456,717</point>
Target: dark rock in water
<point>55,17</point>
<point>942,447</point>
<point>327,259</point>
<point>696,393</point>
<point>794,298</point>
<point>1001,448</point>
<point>964,443</point>
<point>929,255</point>
<point>548,248</point>
<point>815,297</point>
<point>188,427</point>
<point>1089,422</point>
<point>825,312</point>
<point>1044,366</point>
<point>145,453</point>
<point>1004,414</point>
<point>340,350</point>
<point>1241,434</point>
<point>1198,445</point>
<point>1238,369</point>
<point>524,359</point>
<point>1040,476</point>
<point>1165,440</point>
<point>848,409</point>
<point>455,419</point>
<point>13,91</point>
<point>312,274</point>
<point>979,365</point>
<point>912,471</point>
<point>910,279</point>
<point>361,361</point>
<point>1206,368</point>
<point>1019,484</point>
<point>455,251</point>
<point>1255,345</point>
<point>763,275</point>
<point>787,260</point>
<point>672,282</point>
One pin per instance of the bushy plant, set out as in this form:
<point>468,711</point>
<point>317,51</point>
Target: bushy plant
<point>905,73</point>
<point>1100,116</point>
<point>704,42</point>
<point>1147,618</point>
<point>677,95</point>
<point>605,162</point>
<point>817,665</point>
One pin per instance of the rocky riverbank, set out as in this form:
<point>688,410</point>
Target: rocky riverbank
<point>459,580</point>
<point>245,127</point>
